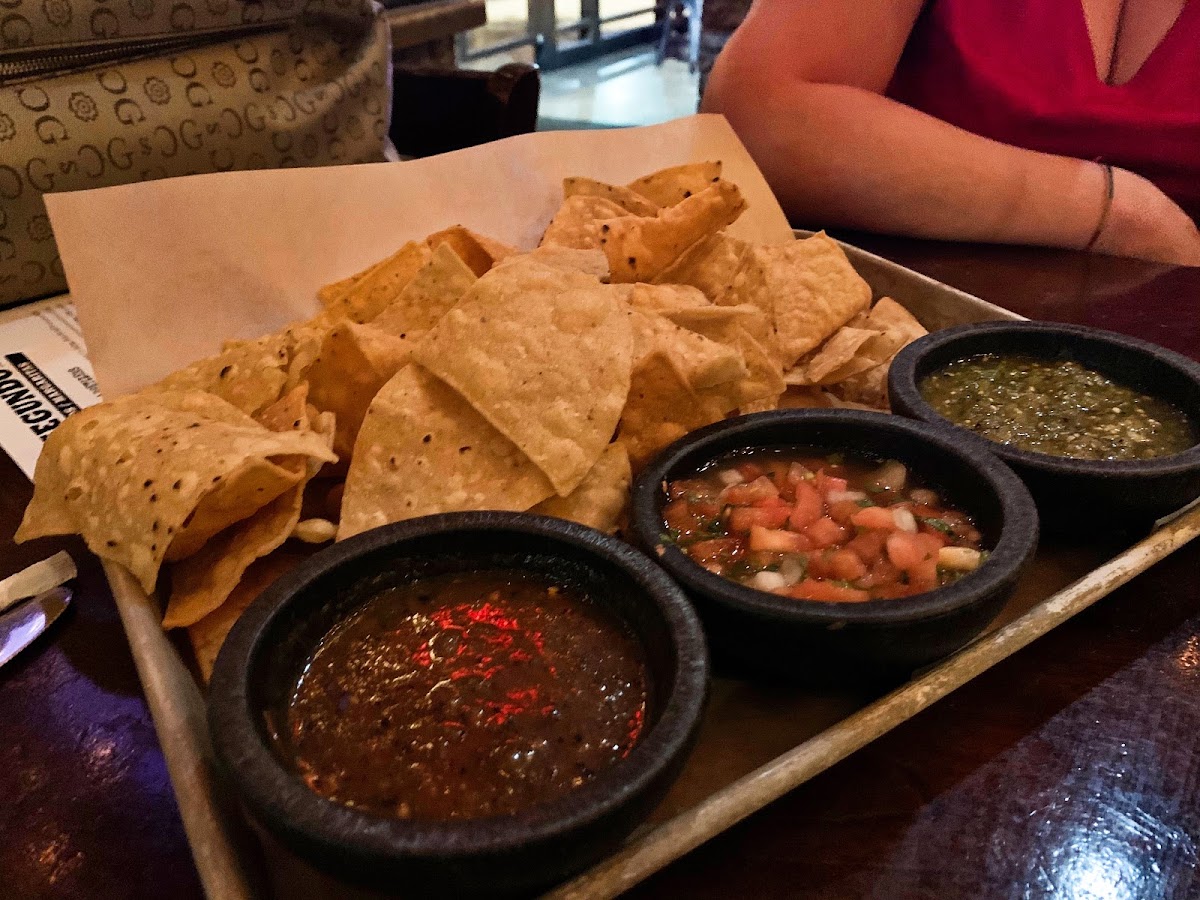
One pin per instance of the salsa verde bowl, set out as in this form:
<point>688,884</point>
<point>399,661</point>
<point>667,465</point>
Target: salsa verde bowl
<point>817,640</point>
<point>260,663</point>
<point>1074,496</point>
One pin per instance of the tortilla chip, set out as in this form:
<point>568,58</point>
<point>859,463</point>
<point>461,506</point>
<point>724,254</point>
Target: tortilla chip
<point>710,265</point>
<point>711,320</point>
<point>477,251</point>
<point>838,358</point>
<point>248,374</point>
<point>665,299</point>
<point>423,449</point>
<point>354,363</point>
<point>127,474</point>
<point>808,288</point>
<point>577,222</point>
<point>544,355</point>
<point>209,633</point>
<point>639,248</point>
<point>332,294</point>
<point>628,200</point>
<point>662,408</point>
<point>315,531</point>
<point>867,388</point>
<point>703,362</point>
<point>666,187</point>
<point>896,327</point>
<point>439,284</point>
<point>602,495</point>
<point>591,262</point>
<point>203,581</point>
<point>382,284</point>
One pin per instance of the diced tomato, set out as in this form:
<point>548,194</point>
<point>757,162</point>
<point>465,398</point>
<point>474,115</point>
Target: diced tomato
<point>749,470</point>
<point>716,550</point>
<point>826,533</point>
<point>826,482</point>
<point>875,517</point>
<point>924,577</point>
<point>847,566</point>
<point>843,511</point>
<point>882,574</point>
<point>820,565</point>
<point>868,545</point>
<point>810,589</point>
<point>761,488</point>
<point>780,479</point>
<point>777,540</point>
<point>908,550</point>
<point>679,517</point>
<point>808,506</point>
<point>742,518</point>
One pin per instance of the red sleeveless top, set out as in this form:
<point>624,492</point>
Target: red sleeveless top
<point>1023,72</point>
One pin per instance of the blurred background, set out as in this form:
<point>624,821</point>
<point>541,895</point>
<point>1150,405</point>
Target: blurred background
<point>603,63</point>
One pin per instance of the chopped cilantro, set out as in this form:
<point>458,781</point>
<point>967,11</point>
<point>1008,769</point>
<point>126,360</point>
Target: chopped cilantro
<point>940,524</point>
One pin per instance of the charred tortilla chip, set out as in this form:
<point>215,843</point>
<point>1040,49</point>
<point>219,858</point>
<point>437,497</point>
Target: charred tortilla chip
<point>627,199</point>
<point>577,222</point>
<point>666,187</point>
<point>544,355</point>
<point>640,248</point>
<point>423,449</point>
<point>601,497</point>
<point>129,473</point>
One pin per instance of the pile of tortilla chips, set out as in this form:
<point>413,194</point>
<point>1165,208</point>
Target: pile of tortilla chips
<point>461,374</point>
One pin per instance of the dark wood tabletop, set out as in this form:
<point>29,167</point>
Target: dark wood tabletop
<point>1069,771</point>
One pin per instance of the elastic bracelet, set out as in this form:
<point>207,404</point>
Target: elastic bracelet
<point>1108,201</point>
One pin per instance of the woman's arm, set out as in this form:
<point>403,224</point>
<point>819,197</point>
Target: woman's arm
<point>802,84</point>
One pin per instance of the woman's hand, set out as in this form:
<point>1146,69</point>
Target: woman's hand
<point>1145,223</point>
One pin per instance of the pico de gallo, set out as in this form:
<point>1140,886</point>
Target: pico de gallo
<point>820,528</point>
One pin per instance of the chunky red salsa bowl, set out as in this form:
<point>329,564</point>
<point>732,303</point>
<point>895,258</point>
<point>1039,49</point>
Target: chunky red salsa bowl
<point>835,545</point>
<point>1104,429</point>
<point>471,704</point>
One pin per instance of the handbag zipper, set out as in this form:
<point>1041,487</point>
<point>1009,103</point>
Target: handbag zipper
<point>20,65</point>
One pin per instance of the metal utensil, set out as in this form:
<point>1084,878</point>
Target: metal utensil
<point>20,626</point>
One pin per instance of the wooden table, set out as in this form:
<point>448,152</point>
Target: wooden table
<point>1071,770</point>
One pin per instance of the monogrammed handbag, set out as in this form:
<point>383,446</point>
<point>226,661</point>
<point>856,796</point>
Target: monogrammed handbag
<point>102,92</point>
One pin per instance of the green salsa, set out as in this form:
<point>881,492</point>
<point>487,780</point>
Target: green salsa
<point>1056,407</point>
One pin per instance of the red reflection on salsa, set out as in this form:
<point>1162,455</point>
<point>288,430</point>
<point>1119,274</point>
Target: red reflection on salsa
<point>465,695</point>
<point>817,528</point>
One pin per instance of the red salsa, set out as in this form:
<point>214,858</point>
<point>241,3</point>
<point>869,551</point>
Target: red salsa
<point>820,528</point>
<point>466,695</point>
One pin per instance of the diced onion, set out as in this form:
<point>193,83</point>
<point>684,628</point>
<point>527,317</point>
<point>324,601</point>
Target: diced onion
<point>904,519</point>
<point>839,496</point>
<point>731,476</point>
<point>959,559</point>
<point>768,581</point>
<point>792,570</point>
<point>797,473</point>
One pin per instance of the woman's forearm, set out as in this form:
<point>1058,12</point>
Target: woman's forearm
<point>841,155</point>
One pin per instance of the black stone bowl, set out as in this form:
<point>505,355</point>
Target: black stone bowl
<point>1074,496</point>
<point>756,632</point>
<point>261,659</point>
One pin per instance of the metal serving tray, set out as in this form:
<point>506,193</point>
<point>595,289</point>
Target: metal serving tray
<point>757,741</point>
